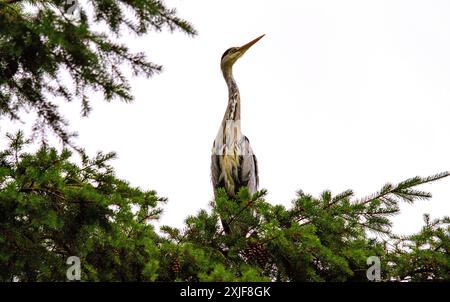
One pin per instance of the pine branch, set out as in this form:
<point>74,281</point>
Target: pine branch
<point>338,198</point>
<point>255,198</point>
<point>403,190</point>
<point>50,43</point>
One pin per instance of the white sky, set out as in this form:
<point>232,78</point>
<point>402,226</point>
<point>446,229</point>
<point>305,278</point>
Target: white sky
<point>337,95</point>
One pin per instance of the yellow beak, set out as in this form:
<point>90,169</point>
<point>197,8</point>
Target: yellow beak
<point>245,47</point>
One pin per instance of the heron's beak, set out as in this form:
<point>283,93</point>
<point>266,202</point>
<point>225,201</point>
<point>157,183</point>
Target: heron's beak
<point>245,47</point>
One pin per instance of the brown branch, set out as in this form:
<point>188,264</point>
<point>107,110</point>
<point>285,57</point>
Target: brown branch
<point>234,217</point>
<point>11,1</point>
<point>43,190</point>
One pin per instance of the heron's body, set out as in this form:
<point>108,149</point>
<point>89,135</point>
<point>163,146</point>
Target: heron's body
<point>233,164</point>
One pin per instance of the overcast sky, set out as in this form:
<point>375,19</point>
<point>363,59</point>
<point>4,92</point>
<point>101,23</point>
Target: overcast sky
<point>337,95</point>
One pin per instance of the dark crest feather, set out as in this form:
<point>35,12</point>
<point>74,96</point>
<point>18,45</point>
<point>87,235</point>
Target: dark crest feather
<point>226,52</point>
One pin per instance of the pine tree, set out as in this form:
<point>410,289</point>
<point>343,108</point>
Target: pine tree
<point>52,208</point>
<point>40,43</point>
<point>328,238</point>
<point>423,256</point>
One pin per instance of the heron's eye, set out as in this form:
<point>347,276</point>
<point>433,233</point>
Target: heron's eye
<point>227,52</point>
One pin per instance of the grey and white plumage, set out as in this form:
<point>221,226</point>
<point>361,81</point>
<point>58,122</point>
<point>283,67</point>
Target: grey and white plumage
<point>233,163</point>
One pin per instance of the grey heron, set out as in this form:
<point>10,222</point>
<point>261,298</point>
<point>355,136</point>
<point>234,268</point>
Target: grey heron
<point>233,163</point>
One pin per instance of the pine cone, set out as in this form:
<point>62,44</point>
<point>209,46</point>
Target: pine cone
<point>256,252</point>
<point>175,266</point>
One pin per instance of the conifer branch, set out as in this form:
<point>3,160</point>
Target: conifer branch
<point>403,190</point>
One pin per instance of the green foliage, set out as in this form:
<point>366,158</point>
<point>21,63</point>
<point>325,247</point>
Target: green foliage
<point>423,256</point>
<point>52,208</point>
<point>40,44</point>
<point>319,239</point>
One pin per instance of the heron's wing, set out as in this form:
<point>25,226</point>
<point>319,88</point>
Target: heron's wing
<point>215,171</point>
<point>248,172</point>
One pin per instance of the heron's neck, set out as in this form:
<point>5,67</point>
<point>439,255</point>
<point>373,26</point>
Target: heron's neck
<point>233,111</point>
<point>230,130</point>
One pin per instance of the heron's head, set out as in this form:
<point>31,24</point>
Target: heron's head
<point>231,55</point>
